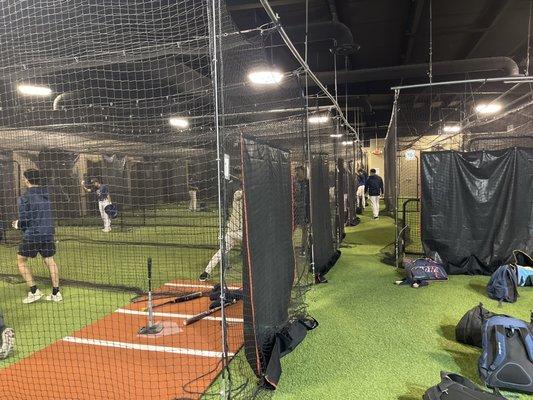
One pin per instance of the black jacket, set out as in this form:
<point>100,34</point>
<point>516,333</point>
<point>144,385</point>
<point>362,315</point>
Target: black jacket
<point>374,185</point>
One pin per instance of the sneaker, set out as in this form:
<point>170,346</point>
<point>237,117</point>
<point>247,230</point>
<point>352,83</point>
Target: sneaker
<point>55,297</point>
<point>8,342</point>
<point>320,279</point>
<point>106,230</point>
<point>376,217</point>
<point>204,277</point>
<point>33,297</point>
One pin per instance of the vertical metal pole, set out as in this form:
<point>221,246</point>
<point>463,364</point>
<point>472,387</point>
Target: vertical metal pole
<point>396,178</point>
<point>214,37</point>
<point>311,236</point>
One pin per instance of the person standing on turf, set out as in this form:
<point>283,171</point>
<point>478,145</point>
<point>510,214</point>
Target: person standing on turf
<point>37,225</point>
<point>104,199</point>
<point>7,339</point>
<point>233,233</point>
<point>360,184</point>
<point>193,195</point>
<point>303,211</point>
<point>374,188</point>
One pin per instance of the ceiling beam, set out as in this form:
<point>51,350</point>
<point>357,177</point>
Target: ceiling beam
<point>236,5</point>
<point>412,29</point>
<point>496,11</point>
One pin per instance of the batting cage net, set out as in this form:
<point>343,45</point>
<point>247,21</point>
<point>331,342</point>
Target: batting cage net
<point>166,200</point>
<point>475,120</point>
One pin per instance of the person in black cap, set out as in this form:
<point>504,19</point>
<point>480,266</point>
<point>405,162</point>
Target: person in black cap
<point>37,225</point>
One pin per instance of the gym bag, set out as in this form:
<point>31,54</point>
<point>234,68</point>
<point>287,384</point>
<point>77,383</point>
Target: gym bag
<point>522,258</point>
<point>457,387</point>
<point>469,328</point>
<point>503,284</point>
<point>421,271</point>
<point>506,361</point>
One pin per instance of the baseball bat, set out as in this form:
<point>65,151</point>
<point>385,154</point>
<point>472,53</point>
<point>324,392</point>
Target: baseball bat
<point>202,315</point>
<point>180,299</point>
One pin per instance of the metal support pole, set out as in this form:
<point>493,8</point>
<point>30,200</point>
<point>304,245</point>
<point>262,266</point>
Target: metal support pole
<point>214,38</point>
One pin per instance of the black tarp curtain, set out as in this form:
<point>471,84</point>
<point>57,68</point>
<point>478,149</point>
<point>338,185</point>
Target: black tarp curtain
<point>324,251</point>
<point>477,207</point>
<point>269,261</point>
<point>340,190</point>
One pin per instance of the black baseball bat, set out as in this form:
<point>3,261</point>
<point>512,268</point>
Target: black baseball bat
<point>202,315</point>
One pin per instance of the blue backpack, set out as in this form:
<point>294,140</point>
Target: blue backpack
<point>503,284</point>
<point>506,361</point>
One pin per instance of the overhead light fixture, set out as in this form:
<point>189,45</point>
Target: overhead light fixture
<point>178,122</point>
<point>32,90</point>
<point>452,128</point>
<point>488,108</point>
<point>410,154</point>
<point>336,135</point>
<point>318,119</point>
<point>347,143</point>
<point>266,77</point>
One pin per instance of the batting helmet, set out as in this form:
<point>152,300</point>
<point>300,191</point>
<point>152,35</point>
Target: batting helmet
<point>111,210</point>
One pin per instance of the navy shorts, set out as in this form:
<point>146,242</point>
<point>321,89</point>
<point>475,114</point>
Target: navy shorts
<point>31,249</point>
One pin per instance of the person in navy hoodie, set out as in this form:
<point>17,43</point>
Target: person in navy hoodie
<point>37,225</point>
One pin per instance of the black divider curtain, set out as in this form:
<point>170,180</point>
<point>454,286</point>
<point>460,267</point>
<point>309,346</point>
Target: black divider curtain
<point>323,247</point>
<point>57,168</point>
<point>477,207</point>
<point>341,190</point>
<point>351,199</point>
<point>8,191</point>
<point>269,257</point>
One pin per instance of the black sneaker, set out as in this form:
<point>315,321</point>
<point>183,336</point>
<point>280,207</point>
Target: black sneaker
<point>204,277</point>
<point>376,217</point>
<point>320,279</point>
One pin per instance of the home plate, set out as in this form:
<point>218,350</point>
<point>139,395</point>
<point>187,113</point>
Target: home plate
<point>169,328</point>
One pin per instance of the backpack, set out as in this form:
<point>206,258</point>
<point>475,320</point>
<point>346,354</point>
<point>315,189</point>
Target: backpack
<point>506,361</point>
<point>421,271</point>
<point>469,328</point>
<point>503,284</point>
<point>457,387</point>
<point>522,258</point>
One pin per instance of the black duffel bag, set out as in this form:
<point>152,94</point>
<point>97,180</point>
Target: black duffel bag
<point>468,330</point>
<point>457,387</point>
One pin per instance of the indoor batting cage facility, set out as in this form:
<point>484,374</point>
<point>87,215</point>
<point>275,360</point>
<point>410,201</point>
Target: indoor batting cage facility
<point>458,160</point>
<point>165,202</point>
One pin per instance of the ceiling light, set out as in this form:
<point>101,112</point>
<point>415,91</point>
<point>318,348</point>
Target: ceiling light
<point>452,128</point>
<point>336,135</point>
<point>410,154</point>
<point>266,77</point>
<point>318,119</point>
<point>348,143</point>
<point>31,90</point>
<point>178,122</point>
<point>487,109</point>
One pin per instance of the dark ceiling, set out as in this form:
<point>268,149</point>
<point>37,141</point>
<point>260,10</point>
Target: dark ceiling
<point>389,33</point>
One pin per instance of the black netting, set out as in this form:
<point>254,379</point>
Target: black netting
<point>474,116</point>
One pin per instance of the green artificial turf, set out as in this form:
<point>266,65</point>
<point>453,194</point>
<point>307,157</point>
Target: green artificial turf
<point>39,324</point>
<point>380,341</point>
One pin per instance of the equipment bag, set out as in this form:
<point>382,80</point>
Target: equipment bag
<point>457,387</point>
<point>469,328</point>
<point>506,361</point>
<point>522,258</point>
<point>421,271</point>
<point>503,284</point>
